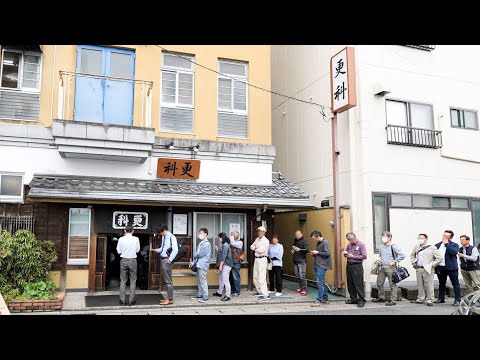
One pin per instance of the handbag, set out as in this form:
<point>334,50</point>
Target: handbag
<point>399,273</point>
<point>194,267</point>
<point>270,265</point>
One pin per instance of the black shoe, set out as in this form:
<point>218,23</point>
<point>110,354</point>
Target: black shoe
<point>217,294</point>
<point>225,298</point>
<point>360,305</point>
<point>429,304</point>
<point>390,303</point>
<point>350,301</point>
<point>440,301</point>
<point>132,302</point>
<point>416,302</point>
<point>456,303</point>
<point>121,302</point>
<point>378,300</point>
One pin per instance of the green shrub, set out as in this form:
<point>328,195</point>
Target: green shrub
<point>23,260</point>
<point>39,290</point>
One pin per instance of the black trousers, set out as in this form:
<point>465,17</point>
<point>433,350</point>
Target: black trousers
<point>355,284</point>
<point>442,274</point>
<point>276,278</point>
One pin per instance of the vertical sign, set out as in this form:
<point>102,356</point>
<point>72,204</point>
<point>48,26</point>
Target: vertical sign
<point>234,227</point>
<point>342,80</point>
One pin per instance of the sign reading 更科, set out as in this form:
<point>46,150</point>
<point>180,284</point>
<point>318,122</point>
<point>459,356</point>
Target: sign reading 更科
<point>138,220</point>
<point>183,169</point>
<point>342,80</point>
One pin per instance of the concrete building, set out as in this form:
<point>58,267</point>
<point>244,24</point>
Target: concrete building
<point>94,138</point>
<point>409,159</point>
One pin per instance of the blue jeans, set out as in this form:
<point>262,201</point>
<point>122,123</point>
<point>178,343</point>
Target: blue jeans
<point>235,278</point>
<point>322,288</point>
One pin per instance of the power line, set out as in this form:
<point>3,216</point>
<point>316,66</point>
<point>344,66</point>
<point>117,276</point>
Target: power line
<point>247,83</point>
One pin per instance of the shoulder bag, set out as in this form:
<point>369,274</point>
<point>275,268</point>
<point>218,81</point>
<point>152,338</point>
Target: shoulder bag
<point>399,273</point>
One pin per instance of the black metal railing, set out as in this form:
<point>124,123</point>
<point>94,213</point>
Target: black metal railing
<point>410,136</point>
<point>423,47</point>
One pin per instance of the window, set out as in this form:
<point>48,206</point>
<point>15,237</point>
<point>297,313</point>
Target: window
<point>397,200</point>
<point>380,219</point>
<point>232,99</point>
<point>177,80</point>
<point>11,187</point>
<point>459,203</point>
<point>20,70</point>
<point>217,223</point>
<point>476,221</point>
<point>422,201</point>
<point>409,114</point>
<point>177,94</point>
<point>441,202</point>
<point>464,119</point>
<point>79,236</point>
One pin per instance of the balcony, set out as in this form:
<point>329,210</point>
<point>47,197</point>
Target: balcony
<point>104,118</point>
<point>410,136</point>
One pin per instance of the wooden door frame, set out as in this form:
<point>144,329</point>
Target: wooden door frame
<point>93,253</point>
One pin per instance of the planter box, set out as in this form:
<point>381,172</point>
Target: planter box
<point>17,306</point>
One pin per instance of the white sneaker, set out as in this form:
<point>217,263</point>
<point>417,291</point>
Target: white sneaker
<point>278,294</point>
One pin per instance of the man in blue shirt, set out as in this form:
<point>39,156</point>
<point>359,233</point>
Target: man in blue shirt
<point>167,251</point>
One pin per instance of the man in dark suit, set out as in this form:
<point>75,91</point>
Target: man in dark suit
<point>448,267</point>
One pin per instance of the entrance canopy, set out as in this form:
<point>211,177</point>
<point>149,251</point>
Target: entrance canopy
<point>282,194</point>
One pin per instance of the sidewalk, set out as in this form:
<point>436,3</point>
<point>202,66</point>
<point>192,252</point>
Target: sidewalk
<point>74,302</point>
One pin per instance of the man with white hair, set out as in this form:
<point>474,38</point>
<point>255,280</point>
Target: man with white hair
<point>260,246</point>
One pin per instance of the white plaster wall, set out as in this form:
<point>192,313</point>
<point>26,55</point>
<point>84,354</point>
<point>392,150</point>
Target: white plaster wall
<point>406,224</point>
<point>301,136</point>
<point>29,160</point>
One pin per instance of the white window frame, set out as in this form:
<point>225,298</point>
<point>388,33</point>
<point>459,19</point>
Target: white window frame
<point>195,231</point>
<point>409,111</point>
<point>177,71</point>
<point>233,78</point>
<point>13,199</point>
<point>462,110</point>
<point>79,261</point>
<point>20,70</point>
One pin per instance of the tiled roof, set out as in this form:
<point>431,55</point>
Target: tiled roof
<point>281,193</point>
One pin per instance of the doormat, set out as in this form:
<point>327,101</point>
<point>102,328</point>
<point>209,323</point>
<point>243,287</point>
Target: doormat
<point>112,300</point>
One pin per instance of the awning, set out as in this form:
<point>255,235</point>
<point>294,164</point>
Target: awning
<point>282,194</point>
<point>34,48</point>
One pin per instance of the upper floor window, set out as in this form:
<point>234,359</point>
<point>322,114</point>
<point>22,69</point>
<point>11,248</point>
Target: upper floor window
<point>177,80</point>
<point>409,114</point>
<point>176,113</point>
<point>232,99</point>
<point>464,119</point>
<point>232,93</point>
<point>11,187</point>
<point>20,70</point>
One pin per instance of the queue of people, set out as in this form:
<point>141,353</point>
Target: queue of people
<point>442,259</point>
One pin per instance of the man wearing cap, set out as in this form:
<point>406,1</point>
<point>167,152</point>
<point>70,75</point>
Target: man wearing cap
<point>260,246</point>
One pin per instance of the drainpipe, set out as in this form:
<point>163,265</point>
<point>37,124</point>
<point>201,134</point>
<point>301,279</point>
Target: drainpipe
<point>53,83</point>
<point>252,257</point>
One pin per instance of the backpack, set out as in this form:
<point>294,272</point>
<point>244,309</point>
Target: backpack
<point>180,254</point>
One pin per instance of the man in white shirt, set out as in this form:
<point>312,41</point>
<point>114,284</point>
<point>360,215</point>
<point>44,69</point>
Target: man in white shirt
<point>128,246</point>
<point>167,251</point>
<point>260,246</point>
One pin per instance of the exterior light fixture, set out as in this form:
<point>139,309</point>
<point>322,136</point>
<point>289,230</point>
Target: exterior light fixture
<point>170,146</point>
<point>195,148</point>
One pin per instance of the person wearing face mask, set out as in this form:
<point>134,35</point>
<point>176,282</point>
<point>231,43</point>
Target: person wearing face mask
<point>390,256</point>
<point>448,267</point>
<point>202,259</point>
<point>425,258</point>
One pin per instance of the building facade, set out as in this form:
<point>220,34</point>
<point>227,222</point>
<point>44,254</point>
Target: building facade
<point>409,159</point>
<point>94,138</point>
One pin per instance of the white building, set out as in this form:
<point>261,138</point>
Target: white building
<point>410,156</point>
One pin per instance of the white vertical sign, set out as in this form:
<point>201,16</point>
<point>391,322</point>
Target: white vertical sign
<point>342,79</point>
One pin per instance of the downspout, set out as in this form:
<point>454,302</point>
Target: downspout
<point>252,258</point>
<point>53,83</point>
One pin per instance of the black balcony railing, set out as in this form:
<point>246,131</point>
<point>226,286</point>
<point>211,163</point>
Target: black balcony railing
<point>423,47</point>
<point>410,136</point>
